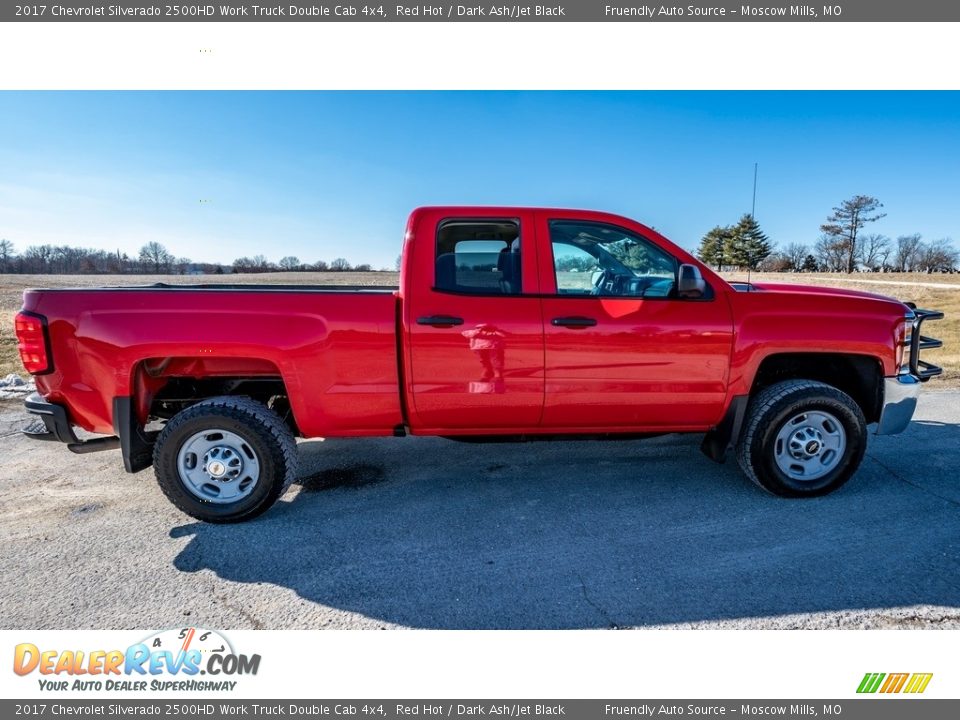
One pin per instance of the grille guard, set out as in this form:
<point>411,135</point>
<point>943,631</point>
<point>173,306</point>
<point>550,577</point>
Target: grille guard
<point>916,341</point>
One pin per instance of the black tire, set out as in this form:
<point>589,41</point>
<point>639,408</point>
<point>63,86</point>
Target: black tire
<point>768,414</point>
<point>260,428</point>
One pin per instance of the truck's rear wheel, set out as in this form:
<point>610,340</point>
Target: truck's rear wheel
<point>802,438</point>
<point>225,459</point>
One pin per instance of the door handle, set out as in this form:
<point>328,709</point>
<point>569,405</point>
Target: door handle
<point>573,322</point>
<point>440,320</point>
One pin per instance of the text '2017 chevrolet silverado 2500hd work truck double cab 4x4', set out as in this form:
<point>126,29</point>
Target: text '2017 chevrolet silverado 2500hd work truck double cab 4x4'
<point>508,323</point>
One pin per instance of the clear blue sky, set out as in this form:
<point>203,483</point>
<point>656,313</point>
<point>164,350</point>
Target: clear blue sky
<point>321,175</point>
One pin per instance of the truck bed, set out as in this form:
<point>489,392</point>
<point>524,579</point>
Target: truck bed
<point>333,347</point>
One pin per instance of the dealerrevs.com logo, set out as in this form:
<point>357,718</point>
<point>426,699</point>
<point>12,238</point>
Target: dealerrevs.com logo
<point>168,660</point>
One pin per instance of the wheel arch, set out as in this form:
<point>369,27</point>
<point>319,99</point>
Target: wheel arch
<point>859,376</point>
<point>160,387</point>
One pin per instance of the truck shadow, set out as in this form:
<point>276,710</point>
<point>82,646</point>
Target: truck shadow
<point>430,533</point>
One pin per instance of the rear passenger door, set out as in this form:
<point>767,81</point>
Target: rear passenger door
<point>473,323</point>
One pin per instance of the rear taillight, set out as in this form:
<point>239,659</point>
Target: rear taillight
<point>33,342</point>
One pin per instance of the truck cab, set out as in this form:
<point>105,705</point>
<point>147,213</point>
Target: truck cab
<point>559,322</point>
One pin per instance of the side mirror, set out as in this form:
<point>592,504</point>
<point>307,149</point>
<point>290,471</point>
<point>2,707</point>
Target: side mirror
<point>689,282</point>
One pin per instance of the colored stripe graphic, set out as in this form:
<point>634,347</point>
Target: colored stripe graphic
<point>870,682</point>
<point>894,683</point>
<point>918,683</point>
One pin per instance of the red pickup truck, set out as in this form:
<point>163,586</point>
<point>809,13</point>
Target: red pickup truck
<point>514,323</point>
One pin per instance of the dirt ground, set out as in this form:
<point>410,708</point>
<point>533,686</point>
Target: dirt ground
<point>423,532</point>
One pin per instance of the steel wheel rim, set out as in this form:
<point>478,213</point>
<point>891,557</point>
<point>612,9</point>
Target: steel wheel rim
<point>218,466</point>
<point>810,445</point>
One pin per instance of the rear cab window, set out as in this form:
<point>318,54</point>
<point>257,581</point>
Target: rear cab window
<point>479,257</point>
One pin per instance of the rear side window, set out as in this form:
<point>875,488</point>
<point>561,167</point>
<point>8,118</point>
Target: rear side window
<point>481,257</point>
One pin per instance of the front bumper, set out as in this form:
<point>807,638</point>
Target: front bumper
<point>900,395</point>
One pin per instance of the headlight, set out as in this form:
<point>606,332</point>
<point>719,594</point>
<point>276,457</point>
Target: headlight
<point>901,337</point>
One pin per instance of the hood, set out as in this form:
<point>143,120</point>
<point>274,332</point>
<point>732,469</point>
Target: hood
<point>815,290</point>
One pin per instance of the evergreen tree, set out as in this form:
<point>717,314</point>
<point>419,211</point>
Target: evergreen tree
<point>748,246</point>
<point>809,264</point>
<point>712,250</point>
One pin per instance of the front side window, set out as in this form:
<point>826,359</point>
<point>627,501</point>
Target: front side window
<point>605,260</point>
<point>479,256</point>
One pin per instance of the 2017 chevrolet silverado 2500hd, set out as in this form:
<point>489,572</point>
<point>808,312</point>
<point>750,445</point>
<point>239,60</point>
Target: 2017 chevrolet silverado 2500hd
<point>507,322</point>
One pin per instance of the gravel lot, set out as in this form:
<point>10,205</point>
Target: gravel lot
<point>428,533</point>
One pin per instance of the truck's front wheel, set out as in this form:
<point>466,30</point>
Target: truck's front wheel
<point>225,459</point>
<point>802,438</point>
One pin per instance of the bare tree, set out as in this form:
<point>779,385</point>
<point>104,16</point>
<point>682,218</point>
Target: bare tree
<point>256,264</point>
<point>116,262</point>
<point>908,252</point>
<point>874,251</point>
<point>6,255</point>
<point>776,262</point>
<point>155,256</point>
<point>152,257</point>
<point>796,253</point>
<point>831,253</point>
<point>846,221</point>
<point>938,256</point>
<point>37,258</point>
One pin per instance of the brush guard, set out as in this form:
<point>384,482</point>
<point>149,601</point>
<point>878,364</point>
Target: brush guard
<point>916,341</point>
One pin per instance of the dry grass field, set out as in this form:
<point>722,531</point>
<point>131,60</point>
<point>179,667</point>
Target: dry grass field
<point>941,292</point>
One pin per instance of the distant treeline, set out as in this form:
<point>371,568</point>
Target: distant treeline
<point>841,247</point>
<point>153,259</point>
